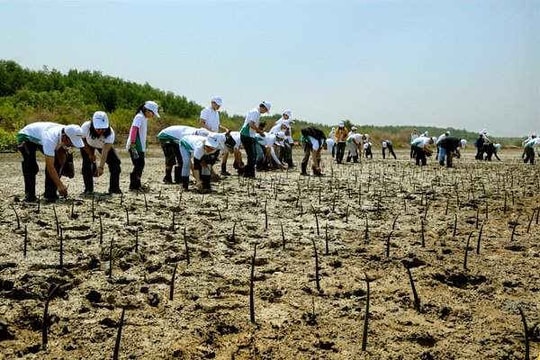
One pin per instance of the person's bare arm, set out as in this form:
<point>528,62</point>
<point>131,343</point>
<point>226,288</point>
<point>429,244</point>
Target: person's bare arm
<point>53,174</point>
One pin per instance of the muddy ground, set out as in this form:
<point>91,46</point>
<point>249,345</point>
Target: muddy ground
<point>465,311</point>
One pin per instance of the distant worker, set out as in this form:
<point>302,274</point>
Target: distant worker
<point>341,141</point>
<point>313,140</point>
<point>136,141</point>
<point>529,150</point>
<point>209,118</point>
<point>247,135</point>
<point>450,146</point>
<point>421,149</point>
<point>387,145</point>
<point>354,145</point>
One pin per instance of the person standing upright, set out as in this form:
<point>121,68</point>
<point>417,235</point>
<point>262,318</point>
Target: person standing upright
<point>209,118</point>
<point>341,141</point>
<point>247,135</point>
<point>136,141</point>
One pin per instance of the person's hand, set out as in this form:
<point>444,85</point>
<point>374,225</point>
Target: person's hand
<point>62,189</point>
<point>99,171</point>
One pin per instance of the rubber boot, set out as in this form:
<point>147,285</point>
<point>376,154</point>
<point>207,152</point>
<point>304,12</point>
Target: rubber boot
<point>134,182</point>
<point>177,174</point>
<point>304,169</point>
<point>206,183</point>
<point>224,171</point>
<point>185,182</point>
<point>355,159</point>
<point>168,177</point>
<point>29,188</point>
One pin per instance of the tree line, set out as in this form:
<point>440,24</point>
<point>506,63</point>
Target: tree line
<point>49,95</point>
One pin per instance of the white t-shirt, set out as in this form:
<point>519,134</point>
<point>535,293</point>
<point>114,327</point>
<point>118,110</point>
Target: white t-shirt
<point>46,134</point>
<point>98,142</point>
<point>267,140</point>
<point>421,141</point>
<point>440,138</point>
<point>177,132</point>
<point>211,118</point>
<point>236,137</point>
<point>253,117</point>
<point>142,123</point>
<point>194,144</point>
<point>356,137</point>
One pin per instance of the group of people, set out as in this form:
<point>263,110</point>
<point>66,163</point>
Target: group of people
<point>189,151</point>
<point>447,148</point>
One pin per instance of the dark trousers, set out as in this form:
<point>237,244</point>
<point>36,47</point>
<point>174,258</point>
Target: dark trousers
<point>171,150</point>
<point>136,174</point>
<point>305,159</point>
<point>340,152</point>
<point>89,167</point>
<point>413,151</point>
<point>420,156</point>
<point>529,155</point>
<point>390,151</point>
<point>30,169</point>
<point>249,144</point>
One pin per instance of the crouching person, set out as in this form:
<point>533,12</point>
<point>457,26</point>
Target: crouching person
<point>52,140</point>
<point>170,138</point>
<point>232,145</point>
<point>449,147</point>
<point>98,135</point>
<point>313,140</point>
<point>198,148</point>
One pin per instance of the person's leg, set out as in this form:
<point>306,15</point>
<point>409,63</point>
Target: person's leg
<point>138,167</point>
<point>170,160</point>
<point>113,162</point>
<point>305,159</point>
<point>224,158</point>
<point>186,161</point>
<point>51,194</point>
<point>249,147</point>
<point>87,172</point>
<point>449,156</point>
<point>391,150</point>
<point>30,169</point>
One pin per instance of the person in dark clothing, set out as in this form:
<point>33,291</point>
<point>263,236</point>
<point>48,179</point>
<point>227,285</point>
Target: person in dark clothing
<point>313,140</point>
<point>451,145</point>
<point>387,145</point>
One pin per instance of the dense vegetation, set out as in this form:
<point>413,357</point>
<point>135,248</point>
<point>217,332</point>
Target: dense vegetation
<point>49,95</point>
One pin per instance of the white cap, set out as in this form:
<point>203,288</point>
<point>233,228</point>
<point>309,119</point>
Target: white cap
<point>280,135</point>
<point>74,132</point>
<point>100,120</point>
<point>267,105</point>
<point>463,143</point>
<point>288,113</point>
<point>218,100</point>
<point>497,146</point>
<point>211,141</point>
<point>341,124</point>
<point>152,106</point>
<point>353,128</point>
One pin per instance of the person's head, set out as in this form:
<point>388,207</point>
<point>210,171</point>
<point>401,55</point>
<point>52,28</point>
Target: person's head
<point>533,135</point>
<point>341,124</point>
<point>447,133</point>
<point>72,136</point>
<point>262,125</point>
<point>211,143</point>
<point>353,129</point>
<point>287,114</point>
<point>265,106</point>
<point>216,102</point>
<point>99,126</point>
<point>149,109</point>
<point>462,143</point>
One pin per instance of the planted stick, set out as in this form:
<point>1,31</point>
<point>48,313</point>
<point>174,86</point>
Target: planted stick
<point>537,213</point>
<point>45,321</point>
<point>100,231</point>
<point>145,202</point>
<point>422,235</point>
<point>530,222</point>
<point>136,240</point>
<point>61,263</point>
<point>504,207</point>
<point>16,217</point>
<point>282,236</point>
<point>56,221</point>
<point>72,214</point>
<point>127,215</point>
<point>477,217</point>
<point>171,289</point>
<point>526,333</point>
<point>415,293</point>
<point>93,208</point>
<point>394,222</point>
<point>479,239</point>
<point>121,199</point>
<point>513,232</point>
<point>366,231</point>
<point>187,247</point>
<point>251,287</point>
<point>233,235</point>
<point>119,336</point>
<point>173,221</point>
<point>111,257</point>
<point>347,214</point>
<point>455,225</point>
<point>487,210</point>
<point>388,244</point>
<point>366,317</point>
<point>219,213</point>
<point>317,278</point>
<point>467,251</point>
<point>326,249</point>
<point>38,205</point>
<point>316,220</point>
<point>265,216</point>
<point>25,240</point>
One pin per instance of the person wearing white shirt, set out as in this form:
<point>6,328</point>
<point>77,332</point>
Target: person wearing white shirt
<point>269,144</point>
<point>247,136</point>
<point>529,150</point>
<point>414,135</point>
<point>169,138</point>
<point>52,140</point>
<point>284,124</point>
<point>441,152</point>
<point>136,141</point>
<point>421,149</point>
<point>209,117</point>
<point>313,140</point>
<point>232,145</point>
<point>98,135</point>
<point>387,145</point>
<point>198,148</point>
<point>354,145</point>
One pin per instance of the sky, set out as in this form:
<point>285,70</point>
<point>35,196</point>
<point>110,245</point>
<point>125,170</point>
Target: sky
<point>469,64</point>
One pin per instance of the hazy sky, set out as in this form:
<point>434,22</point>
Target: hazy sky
<point>462,63</point>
